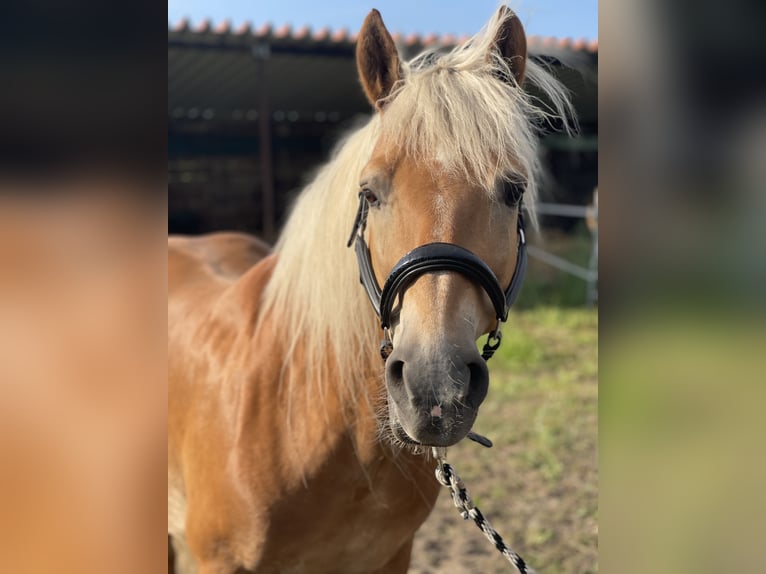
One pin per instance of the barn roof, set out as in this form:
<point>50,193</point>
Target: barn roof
<point>215,71</point>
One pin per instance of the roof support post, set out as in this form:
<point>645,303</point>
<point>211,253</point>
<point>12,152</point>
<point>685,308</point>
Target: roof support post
<point>261,53</point>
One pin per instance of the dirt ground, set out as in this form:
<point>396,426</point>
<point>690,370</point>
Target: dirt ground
<point>538,485</point>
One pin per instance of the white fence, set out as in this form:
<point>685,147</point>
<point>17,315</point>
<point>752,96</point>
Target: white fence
<point>588,274</point>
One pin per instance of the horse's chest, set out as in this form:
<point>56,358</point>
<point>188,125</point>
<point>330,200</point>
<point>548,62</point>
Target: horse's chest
<point>348,523</point>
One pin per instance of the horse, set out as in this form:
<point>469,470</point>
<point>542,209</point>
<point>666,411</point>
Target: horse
<point>292,447</point>
<point>226,253</point>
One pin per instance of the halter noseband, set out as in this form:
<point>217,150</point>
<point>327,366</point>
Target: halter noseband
<point>430,258</point>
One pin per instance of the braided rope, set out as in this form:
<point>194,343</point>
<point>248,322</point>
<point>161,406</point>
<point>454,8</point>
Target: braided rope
<point>447,476</point>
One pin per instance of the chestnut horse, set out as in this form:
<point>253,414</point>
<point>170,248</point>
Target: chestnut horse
<point>292,448</point>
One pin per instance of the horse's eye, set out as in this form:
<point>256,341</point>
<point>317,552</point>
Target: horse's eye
<point>512,192</point>
<point>371,198</point>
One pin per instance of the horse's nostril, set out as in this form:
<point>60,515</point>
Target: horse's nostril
<point>478,384</point>
<point>395,372</point>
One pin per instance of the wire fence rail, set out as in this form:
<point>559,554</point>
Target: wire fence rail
<point>588,274</point>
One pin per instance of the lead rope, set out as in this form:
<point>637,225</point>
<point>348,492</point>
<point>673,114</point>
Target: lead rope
<point>447,476</point>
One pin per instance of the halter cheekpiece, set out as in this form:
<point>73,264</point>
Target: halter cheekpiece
<point>431,258</point>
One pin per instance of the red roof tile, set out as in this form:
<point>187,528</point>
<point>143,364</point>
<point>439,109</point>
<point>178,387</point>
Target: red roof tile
<point>243,29</point>
<point>284,31</point>
<point>342,35</point>
<point>321,34</point>
<point>339,35</point>
<point>302,33</point>
<point>181,25</point>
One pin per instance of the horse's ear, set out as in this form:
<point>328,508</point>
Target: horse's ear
<point>511,42</point>
<point>376,58</point>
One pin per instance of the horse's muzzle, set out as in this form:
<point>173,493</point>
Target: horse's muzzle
<point>435,399</point>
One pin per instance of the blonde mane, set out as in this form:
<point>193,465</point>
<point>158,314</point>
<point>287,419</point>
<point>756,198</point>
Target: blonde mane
<point>461,111</point>
<point>464,112</point>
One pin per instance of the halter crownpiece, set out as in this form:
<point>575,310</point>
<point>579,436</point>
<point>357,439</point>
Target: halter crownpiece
<point>430,258</point>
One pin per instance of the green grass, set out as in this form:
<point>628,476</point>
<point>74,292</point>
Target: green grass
<point>683,434</point>
<point>548,361</point>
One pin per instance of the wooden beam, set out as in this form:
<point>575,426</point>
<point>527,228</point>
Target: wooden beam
<point>261,54</point>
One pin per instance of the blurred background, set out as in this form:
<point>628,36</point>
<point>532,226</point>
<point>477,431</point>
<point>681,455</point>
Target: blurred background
<point>683,277</point>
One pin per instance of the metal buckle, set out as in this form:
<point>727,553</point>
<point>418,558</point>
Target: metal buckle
<point>386,345</point>
<point>490,347</point>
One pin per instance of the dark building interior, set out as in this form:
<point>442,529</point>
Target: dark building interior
<point>251,113</point>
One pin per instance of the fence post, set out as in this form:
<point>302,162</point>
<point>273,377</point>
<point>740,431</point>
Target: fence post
<point>592,295</point>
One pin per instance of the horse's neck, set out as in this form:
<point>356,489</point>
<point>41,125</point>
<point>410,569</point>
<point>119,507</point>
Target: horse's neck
<point>300,403</point>
<point>321,413</point>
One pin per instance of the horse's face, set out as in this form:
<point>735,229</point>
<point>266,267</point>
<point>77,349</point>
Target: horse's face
<point>435,377</point>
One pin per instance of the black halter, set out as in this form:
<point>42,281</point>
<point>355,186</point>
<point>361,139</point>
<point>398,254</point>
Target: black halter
<point>430,258</point>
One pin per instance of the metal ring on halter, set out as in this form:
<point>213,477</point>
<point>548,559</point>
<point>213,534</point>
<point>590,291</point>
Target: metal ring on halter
<point>386,345</point>
<point>490,347</point>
